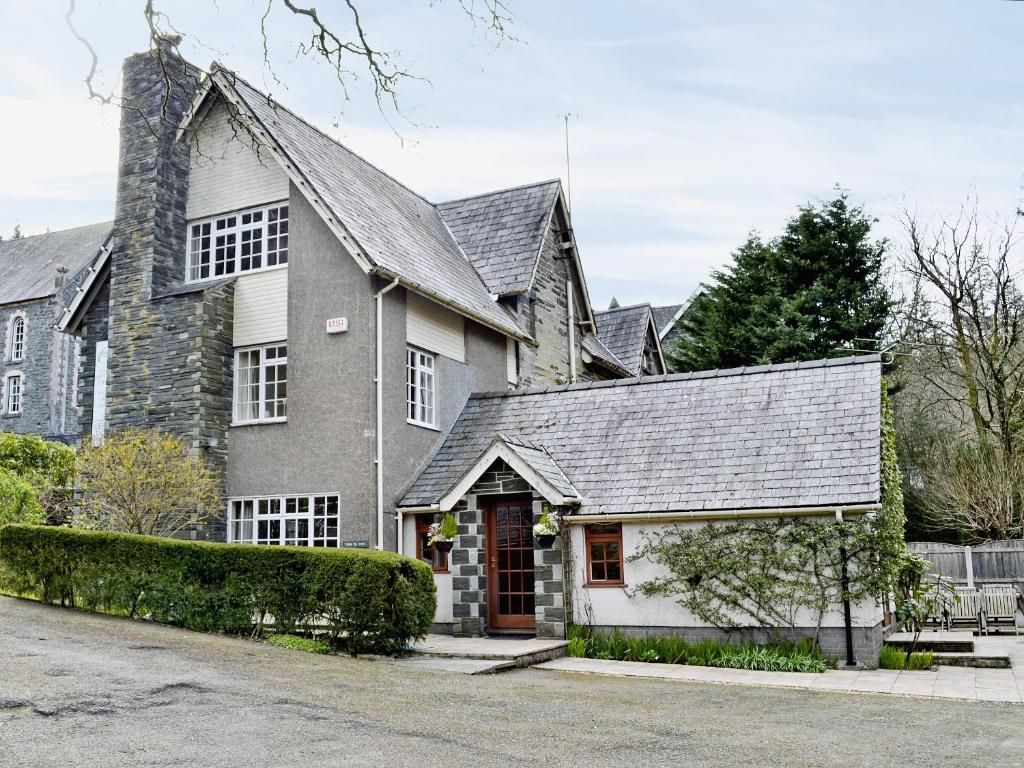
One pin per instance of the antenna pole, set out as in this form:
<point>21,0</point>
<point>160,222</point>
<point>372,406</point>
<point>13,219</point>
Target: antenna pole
<point>568,176</point>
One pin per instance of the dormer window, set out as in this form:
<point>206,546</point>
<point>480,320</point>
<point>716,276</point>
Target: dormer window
<point>244,241</point>
<point>18,339</point>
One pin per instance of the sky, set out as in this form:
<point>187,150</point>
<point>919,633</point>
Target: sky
<point>692,122</point>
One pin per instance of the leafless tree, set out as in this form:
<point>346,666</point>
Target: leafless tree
<point>336,37</point>
<point>960,416</point>
<point>965,325</point>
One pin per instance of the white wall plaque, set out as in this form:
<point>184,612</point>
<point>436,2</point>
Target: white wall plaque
<point>337,325</point>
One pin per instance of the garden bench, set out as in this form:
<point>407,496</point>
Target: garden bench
<point>999,606</point>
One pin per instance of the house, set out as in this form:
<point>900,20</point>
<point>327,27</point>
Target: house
<point>304,320</point>
<point>669,321</point>
<point>322,334</point>
<point>631,335</point>
<point>617,458</point>
<point>39,366</point>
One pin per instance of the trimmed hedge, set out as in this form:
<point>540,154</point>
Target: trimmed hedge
<point>370,601</point>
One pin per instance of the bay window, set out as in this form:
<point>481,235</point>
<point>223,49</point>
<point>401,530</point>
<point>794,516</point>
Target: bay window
<point>244,241</point>
<point>295,521</point>
<point>261,384</point>
<point>420,388</point>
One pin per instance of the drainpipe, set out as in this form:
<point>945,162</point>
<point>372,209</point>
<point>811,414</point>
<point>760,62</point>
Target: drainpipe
<point>845,583</point>
<point>572,332</point>
<point>379,381</point>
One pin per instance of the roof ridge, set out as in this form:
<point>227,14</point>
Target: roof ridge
<point>56,232</point>
<point>628,306</point>
<point>717,373</point>
<point>499,191</point>
<point>277,104</point>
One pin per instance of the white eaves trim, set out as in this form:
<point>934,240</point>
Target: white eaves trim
<point>723,514</point>
<point>83,294</point>
<point>500,450</point>
<point>657,338</point>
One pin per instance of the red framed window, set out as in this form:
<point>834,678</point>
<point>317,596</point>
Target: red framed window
<point>425,550</point>
<point>604,555</point>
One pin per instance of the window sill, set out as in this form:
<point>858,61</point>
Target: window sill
<point>202,280</point>
<point>423,425</point>
<point>260,423</point>
<point>605,585</point>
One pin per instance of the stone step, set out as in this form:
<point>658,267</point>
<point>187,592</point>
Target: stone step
<point>940,645</point>
<point>971,660</point>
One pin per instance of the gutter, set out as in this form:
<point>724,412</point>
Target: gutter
<point>379,382</point>
<point>724,514</point>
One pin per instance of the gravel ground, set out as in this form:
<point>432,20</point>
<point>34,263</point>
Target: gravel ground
<point>78,689</point>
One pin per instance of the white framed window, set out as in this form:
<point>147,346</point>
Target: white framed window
<point>18,339</point>
<point>297,521</point>
<point>14,393</point>
<point>261,384</point>
<point>420,388</point>
<point>245,241</point>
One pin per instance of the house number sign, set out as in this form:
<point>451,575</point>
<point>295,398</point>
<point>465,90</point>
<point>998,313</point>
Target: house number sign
<point>337,325</point>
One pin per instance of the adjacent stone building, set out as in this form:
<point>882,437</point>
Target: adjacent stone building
<point>39,366</point>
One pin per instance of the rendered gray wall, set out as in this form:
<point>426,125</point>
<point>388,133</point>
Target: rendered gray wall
<point>328,444</point>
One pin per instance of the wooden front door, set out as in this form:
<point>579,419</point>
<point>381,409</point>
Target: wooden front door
<point>510,564</point>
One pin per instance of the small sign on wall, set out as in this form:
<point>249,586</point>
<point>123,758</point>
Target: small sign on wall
<point>337,325</point>
<point>360,544</point>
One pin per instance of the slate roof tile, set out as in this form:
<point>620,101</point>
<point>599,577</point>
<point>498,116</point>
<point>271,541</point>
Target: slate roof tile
<point>623,330</point>
<point>399,231</point>
<point>28,265</point>
<point>656,444</point>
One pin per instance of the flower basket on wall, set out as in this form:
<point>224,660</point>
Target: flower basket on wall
<point>546,530</point>
<point>442,535</point>
<point>444,547</point>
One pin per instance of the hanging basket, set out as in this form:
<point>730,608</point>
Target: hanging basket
<point>546,539</point>
<point>444,547</point>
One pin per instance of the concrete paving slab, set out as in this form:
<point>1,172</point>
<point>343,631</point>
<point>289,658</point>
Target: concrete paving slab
<point>523,651</point>
<point>946,683</point>
<point>461,666</point>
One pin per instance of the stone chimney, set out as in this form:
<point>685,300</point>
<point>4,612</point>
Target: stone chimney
<point>152,183</point>
<point>146,354</point>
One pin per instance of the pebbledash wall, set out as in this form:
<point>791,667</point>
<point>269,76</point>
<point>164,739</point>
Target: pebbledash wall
<point>610,608</point>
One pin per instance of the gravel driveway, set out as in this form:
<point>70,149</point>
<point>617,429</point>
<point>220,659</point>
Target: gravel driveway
<point>78,689</point>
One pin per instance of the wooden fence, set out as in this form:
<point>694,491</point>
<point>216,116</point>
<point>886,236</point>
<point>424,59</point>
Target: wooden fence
<point>993,562</point>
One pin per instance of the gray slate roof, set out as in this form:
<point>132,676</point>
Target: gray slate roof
<point>769,437</point>
<point>502,232</point>
<point>663,317</point>
<point>401,232</point>
<point>623,330</point>
<point>602,354</point>
<point>28,266</point>
<point>542,464</point>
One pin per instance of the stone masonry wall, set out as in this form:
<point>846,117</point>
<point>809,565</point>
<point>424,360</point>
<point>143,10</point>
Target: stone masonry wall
<point>36,369</point>
<point>469,560</point>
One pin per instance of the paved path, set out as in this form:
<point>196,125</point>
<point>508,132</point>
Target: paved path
<point>94,691</point>
<point>969,684</point>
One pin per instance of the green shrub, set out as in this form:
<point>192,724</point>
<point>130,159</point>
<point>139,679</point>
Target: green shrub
<point>47,466</point>
<point>19,502</point>
<point>793,657</point>
<point>896,658</point>
<point>368,601</point>
<point>296,643</point>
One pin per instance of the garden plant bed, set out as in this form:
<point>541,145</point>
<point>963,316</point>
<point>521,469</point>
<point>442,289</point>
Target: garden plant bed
<point>614,646</point>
